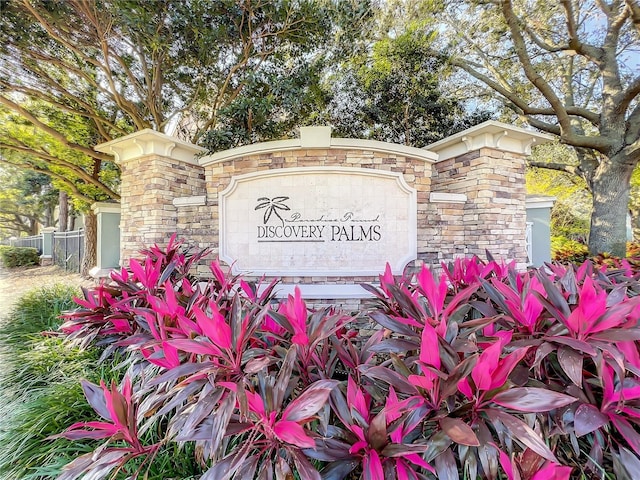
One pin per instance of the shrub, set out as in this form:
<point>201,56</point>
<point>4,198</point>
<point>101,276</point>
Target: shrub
<point>631,263</point>
<point>21,335</point>
<point>41,392</point>
<point>485,372</point>
<point>19,257</point>
<point>633,249</point>
<point>39,381</point>
<point>565,250</point>
<point>568,251</point>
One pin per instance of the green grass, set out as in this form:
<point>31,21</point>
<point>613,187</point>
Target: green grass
<point>39,384</point>
<point>43,398</point>
<point>29,358</point>
<point>37,311</point>
<point>40,395</point>
<point>36,415</point>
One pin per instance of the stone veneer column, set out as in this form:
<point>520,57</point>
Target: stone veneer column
<point>156,169</point>
<point>478,192</point>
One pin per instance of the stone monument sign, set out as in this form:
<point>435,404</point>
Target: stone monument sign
<point>318,221</point>
<point>327,213</point>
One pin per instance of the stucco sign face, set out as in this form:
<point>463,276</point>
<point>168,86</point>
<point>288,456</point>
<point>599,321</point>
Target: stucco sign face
<point>318,221</point>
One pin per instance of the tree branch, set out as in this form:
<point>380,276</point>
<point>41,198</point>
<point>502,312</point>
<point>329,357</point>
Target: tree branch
<point>567,133</point>
<point>14,222</point>
<point>103,29</point>
<point>629,94</point>
<point>66,66</point>
<point>591,52</point>
<point>53,132</point>
<point>74,189</point>
<point>487,63</point>
<point>125,104</point>
<point>104,65</point>
<point>633,125</point>
<point>79,172</point>
<point>86,112</point>
<point>618,22</point>
<point>541,42</point>
<point>14,213</point>
<point>559,167</point>
<point>634,9</point>
<point>528,111</point>
<point>610,68</point>
<point>544,126</point>
<point>534,77</point>
<point>71,46</point>
<point>633,152</point>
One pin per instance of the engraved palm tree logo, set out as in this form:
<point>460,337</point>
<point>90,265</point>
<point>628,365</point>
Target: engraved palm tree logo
<point>271,207</point>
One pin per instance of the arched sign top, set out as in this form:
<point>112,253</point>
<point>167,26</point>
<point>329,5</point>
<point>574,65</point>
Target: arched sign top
<point>318,138</point>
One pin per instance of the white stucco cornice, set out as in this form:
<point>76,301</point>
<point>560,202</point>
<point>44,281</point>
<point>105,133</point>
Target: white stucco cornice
<point>105,207</point>
<point>318,138</point>
<point>540,201</point>
<point>490,134</point>
<point>148,142</point>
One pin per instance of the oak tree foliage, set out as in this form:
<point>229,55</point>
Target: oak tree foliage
<point>569,68</point>
<point>394,90</point>
<point>26,200</point>
<point>76,73</point>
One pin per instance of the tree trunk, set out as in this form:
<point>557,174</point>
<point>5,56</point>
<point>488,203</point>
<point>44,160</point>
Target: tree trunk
<point>635,224</point>
<point>63,216</point>
<point>47,221</point>
<point>90,243</point>
<point>610,188</point>
<point>33,226</point>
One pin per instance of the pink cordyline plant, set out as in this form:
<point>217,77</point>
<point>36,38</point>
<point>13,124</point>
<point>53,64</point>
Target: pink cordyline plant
<point>483,372</point>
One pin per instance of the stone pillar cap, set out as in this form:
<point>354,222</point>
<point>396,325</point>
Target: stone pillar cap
<point>489,134</point>
<point>148,142</point>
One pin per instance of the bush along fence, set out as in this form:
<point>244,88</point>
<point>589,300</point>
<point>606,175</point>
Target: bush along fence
<point>65,249</point>
<point>18,256</point>
<point>486,372</point>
